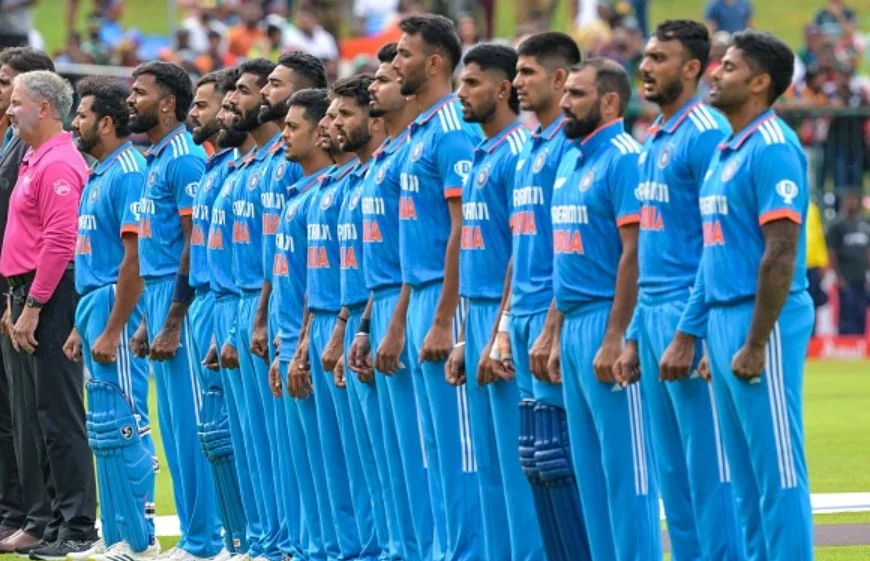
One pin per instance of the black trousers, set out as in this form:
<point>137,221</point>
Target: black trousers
<point>55,412</point>
<point>11,506</point>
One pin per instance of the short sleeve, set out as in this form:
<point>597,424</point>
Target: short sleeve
<point>779,182</point>
<point>623,183</point>
<point>701,151</point>
<point>453,157</point>
<point>183,175</point>
<point>128,191</point>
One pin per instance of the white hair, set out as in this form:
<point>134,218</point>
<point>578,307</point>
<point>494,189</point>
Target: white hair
<point>43,85</point>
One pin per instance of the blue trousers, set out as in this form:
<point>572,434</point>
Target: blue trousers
<point>127,372</point>
<point>690,459</point>
<point>762,425</point>
<point>260,405</point>
<point>403,444</point>
<point>346,492</point>
<point>524,331</point>
<point>505,495</point>
<point>178,398</point>
<point>612,460</point>
<point>226,314</point>
<point>366,419</point>
<point>447,431</point>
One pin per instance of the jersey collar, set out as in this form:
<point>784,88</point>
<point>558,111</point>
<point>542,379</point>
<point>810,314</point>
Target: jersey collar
<point>99,168</point>
<point>269,148</point>
<point>488,145</point>
<point>676,119</point>
<point>739,138</point>
<point>396,143</point>
<point>216,159</point>
<point>32,157</point>
<point>340,173</point>
<point>550,131</point>
<point>362,168</point>
<point>427,115</point>
<point>156,149</point>
<point>306,182</point>
<point>600,136</point>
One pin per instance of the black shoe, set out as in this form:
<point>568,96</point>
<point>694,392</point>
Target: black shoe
<point>24,551</point>
<point>59,550</point>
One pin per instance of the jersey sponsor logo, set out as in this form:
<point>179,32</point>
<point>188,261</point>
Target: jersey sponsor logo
<point>664,157</point>
<point>354,199</point>
<point>417,152</point>
<point>326,201</point>
<point>730,170</point>
<point>539,161</point>
<point>587,180</point>
<point>62,187</point>
<point>462,169</point>
<point>135,210</point>
<point>788,190</point>
<point>279,171</point>
<point>190,188</point>
<point>482,176</point>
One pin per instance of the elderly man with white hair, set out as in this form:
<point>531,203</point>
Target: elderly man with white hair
<point>37,264</point>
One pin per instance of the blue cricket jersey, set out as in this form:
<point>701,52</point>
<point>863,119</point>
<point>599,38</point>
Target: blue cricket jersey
<point>353,282</point>
<point>220,234</point>
<point>758,176</point>
<point>486,234</point>
<point>216,170</point>
<point>673,163</point>
<point>289,270</point>
<point>532,282</point>
<point>248,220</point>
<point>593,196</point>
<point>324,280</point>
<point>109,207</point>
<point>279,177</point>
<point>380,209</point>
<point>439,160</point>
<point>175,166</point>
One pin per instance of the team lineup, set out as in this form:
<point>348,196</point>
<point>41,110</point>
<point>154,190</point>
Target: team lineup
<point>389,322</point>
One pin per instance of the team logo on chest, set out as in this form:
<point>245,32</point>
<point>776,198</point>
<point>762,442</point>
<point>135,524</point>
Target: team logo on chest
<point>152,179</point>
<point>94,194</point>
<point>382,173</point>
<point>482,176</point>
<point>664,157</point>
<point>586,182</point>
<point>417,152</point>
<point>279,171</point>
<point>327,200</point>
<point>730,170</point>
<point>252,183</point>
<point>539,161</point>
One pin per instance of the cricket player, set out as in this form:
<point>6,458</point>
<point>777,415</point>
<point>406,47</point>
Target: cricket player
<point>348,495</point>
<point>160,98</point>
<point>430,209</point>
<point>753,281</point>
<point>214,429</point>
<point>522,342</point>
<point>248,275</point>
<point>223,356</point>
<point>405,457</point>
<point>301,139</point>
<point>108,312</point>
<point>294,71</point>
<point>488,97</point>
<point>361,134</point>
<point>698,499</point>
<point>595,217</point>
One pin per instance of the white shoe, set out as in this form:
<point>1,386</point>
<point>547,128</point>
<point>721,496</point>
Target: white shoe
<point>96,549</point>
<point>173,554</point>
<point>241,557</point>
<point>149,554</point>
<point>118,548</point>
<point>191,557</point>
<point>224,555</point>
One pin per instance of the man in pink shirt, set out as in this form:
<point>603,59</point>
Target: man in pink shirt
<point>37,264</point>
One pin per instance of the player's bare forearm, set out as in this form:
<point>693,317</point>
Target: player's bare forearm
<point>774,278</point>
<point>178,309</point>
<point>625,296</point>
<point>449,298</point>
<point>505,304</point>
<point>367,313</point>
<point>262,311</point>
<point>400,316</point>
<point>129,287</point>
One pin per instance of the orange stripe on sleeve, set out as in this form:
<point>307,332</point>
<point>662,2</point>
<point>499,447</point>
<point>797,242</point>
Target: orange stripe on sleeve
<point>129,229</point>
<point>628,219</point>
<point>185,211</point>
<point>781,214</point>
<point>453,193</point>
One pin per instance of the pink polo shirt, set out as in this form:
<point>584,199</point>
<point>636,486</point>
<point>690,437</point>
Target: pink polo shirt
<point>43,213</point>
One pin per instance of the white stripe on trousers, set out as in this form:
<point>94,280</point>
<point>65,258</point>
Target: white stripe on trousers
<point>638,440</point>
<point>779,411</point>
<point>469,463</point>
<point>194,378</point>
<point>721,457</point>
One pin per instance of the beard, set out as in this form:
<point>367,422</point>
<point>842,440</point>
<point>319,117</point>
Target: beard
<point>376,112</point>
<point>413,82</point>
<point>668,93</point>
<point>578,128</point>
<point>230,138</point>
<point>269,113</point>
<point>247,122</point>
<point>725,101</point>
<point>483,113</point>
<point>143,122</point>
<point>87,140</point>
<point>206,131</point>
<point>357,139</point>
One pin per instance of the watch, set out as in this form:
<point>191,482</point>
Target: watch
<point>32,302</point>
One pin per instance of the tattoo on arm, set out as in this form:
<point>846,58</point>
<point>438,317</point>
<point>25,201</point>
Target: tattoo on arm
<point>774,277</point>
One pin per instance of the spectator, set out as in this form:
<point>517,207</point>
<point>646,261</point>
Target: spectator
<point>270,46</point>
<point>93,47</point>
<point>16,21</point>
<point>43,221</point>
<point>217,56</point>
<point>371,17</point>
<point>817,256</point>
<point>311,37</point>
<point>845,146</point>
<point>244,35</point>
<point>849,247</point>
<point>833,17</point>
<point>728,15</point>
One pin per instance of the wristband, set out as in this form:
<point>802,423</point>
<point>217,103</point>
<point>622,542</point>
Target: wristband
<point>459,344</point>
<point>183,292</point>
<point>341,318</point>
<point>504,323</point>
<point>365,325</point>
<point>495,353</point>
<point>361,334</point>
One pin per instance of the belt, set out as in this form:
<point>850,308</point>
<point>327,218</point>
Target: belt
<point>24,279</point>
